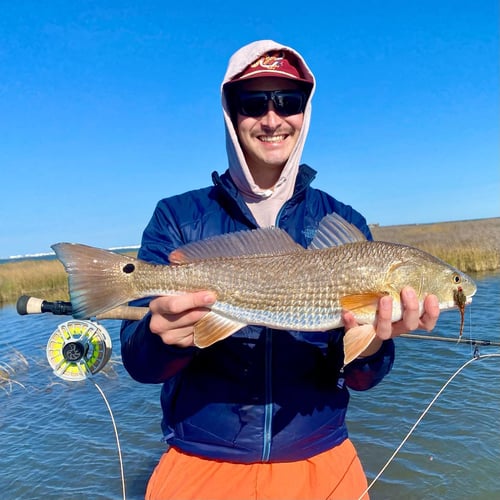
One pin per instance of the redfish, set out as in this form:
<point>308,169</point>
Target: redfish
<point>262,277</point>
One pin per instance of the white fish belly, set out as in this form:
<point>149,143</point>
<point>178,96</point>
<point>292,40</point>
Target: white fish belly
<point>319,319</point>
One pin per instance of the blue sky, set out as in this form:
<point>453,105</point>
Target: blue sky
<point>108,106</point>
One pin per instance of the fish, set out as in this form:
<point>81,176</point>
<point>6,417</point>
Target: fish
<point>263,277</point>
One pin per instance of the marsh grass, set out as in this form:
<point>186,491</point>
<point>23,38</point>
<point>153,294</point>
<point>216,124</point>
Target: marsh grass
<point>41,278</point>
<point>8,369</point>
<point>471,246</point>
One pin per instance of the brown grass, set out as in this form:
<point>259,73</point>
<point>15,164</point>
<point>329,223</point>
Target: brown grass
<point>45,279</point>
<point>471,246</point>
<point>9,368</point>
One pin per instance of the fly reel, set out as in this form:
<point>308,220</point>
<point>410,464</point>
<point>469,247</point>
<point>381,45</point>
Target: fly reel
<point>78,349</point>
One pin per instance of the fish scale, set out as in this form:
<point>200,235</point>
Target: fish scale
<point>290,288</point>
<point>284,291</point>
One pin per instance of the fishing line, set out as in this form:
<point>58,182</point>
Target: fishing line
<point>475,358</point>
<point>122,473</point>
<point>474,349</point>
<point>77,350</point>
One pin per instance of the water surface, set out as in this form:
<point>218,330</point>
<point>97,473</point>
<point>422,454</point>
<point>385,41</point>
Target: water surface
<point>58,442</point>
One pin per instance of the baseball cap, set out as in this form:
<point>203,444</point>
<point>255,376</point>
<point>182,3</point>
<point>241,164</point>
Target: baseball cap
<point>281,64</point>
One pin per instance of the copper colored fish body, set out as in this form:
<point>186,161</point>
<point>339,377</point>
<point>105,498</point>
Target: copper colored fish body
<point>263,277</point>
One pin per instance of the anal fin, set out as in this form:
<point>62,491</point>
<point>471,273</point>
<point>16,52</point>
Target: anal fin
<point>213,327</point>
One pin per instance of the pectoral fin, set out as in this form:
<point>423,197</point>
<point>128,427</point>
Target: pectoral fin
<point>213,327</point>
<point>363,304</point>
<point>356,340</point>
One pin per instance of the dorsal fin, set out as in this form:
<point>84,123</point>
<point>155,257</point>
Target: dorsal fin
<point>262,241</point>
<point>334,230</point>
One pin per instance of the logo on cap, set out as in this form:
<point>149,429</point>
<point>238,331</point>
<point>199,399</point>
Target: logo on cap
<point>269,62</point>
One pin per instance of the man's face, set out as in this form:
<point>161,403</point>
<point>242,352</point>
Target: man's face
<point>267,140</point>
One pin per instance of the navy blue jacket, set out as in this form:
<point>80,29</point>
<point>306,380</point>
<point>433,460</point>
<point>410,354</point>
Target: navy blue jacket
<point>260,395</point>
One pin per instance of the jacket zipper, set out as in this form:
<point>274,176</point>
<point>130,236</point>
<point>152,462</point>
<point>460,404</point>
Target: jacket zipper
<point>268,409</point>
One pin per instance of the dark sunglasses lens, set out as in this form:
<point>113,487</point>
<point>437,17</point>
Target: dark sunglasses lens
<point>286,103</point>
<point>253,105</point>
<point>289,103</point>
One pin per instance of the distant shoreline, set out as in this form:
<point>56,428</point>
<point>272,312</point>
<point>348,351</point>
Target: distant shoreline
<point>471,246</point>
<point>52,255</point>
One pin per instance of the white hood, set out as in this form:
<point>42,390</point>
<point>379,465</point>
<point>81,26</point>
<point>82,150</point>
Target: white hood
<point>264,204</point>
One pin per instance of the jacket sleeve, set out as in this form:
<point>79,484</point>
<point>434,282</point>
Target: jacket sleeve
<point>364,373</point>
<point>144,355</point>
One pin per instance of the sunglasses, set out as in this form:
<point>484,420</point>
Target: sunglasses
<point>255,104</point>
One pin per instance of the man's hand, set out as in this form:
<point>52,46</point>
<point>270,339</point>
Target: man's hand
<point>411,320</point>
<point>173,317</point>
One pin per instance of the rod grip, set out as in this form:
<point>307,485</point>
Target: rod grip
<point>33,305</point>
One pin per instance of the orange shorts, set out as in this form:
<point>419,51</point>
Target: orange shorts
<point>334,474</point>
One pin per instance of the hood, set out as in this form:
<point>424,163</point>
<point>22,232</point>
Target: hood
<point>264,204</point>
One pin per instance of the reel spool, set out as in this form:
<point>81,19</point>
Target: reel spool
<point>78,349</point>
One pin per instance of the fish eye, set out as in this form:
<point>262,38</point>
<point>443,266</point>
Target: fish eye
<point>456,278</point>
<point>128,268</point>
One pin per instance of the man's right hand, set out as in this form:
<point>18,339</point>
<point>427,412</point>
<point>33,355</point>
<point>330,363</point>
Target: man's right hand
<point>173,317</point>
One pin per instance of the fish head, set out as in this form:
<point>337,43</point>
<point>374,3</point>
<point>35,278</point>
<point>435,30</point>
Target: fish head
<point>428,275</point>
<point>453,287</point>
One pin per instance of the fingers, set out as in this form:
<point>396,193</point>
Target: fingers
<point>431,313</point>
<point>173,317</point>
<point>348,320</point>
<point>411,320</point>
<point>411,309</point>
<point>178,304</point>
<point>384,325</point>
<point>412,317</point>
<point>411,313</point>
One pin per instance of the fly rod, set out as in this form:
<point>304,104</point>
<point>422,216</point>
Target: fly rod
<point>33,305</point>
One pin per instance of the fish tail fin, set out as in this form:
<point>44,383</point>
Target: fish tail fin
<point>98,279</point>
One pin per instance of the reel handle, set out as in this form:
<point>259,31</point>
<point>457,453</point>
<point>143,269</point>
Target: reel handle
<point>33,305</point>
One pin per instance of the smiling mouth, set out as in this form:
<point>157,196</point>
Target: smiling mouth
<point>272,138</point>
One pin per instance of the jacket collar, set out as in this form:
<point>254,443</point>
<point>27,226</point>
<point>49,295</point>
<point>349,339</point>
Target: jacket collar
<point>231,199</point>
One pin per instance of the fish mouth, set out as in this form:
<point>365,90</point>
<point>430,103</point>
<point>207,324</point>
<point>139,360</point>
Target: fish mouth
<point>451,304</point>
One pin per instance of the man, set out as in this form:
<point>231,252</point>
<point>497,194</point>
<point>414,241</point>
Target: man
<point>261,413</point>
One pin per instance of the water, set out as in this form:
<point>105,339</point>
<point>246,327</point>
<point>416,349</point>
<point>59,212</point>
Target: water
<point>58,442</point>
<point>454,453</point>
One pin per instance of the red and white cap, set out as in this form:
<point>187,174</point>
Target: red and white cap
<point>279,63</point>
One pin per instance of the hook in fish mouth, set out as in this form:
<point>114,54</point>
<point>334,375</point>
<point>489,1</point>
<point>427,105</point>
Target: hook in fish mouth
<point>461,300</point>
<point>459,297</point>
